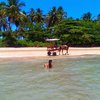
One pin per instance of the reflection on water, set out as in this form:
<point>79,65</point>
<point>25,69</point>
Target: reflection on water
<point>70,79</point>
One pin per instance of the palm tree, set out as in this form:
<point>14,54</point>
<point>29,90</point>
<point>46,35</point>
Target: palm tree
<point>12,8</point>
<point>61,14</point>
<point>31,15</point>
<point>55,15</point>
<point>98,17</point>
<point>36,16</point>
<point>39,16</point>
<point>3,21</point>
<point>3,24</point>
<point>87,16</point>
<point>52,17</point>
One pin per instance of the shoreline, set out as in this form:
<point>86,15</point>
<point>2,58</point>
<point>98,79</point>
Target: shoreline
<point>41,53</point>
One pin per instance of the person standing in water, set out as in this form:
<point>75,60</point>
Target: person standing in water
<point>48,65</point>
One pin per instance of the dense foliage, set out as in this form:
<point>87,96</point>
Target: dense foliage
<point>19,28</point>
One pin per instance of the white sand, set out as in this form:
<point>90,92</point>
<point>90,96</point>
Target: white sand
<point>22,52</point>
<point>42,52</point>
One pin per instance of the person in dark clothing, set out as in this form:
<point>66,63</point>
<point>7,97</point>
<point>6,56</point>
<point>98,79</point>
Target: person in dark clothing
<point>48,65</point>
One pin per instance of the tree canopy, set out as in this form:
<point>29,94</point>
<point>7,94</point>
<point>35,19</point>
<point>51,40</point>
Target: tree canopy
<point>33,27</point>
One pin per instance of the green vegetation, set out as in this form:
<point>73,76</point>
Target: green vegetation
<point>33,27</point>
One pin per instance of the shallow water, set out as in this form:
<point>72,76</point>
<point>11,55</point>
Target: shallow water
<point>69,79</point>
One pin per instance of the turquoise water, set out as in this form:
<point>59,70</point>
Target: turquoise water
<point>69,79</point>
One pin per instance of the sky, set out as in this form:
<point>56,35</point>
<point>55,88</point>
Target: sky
<point>74,8</point>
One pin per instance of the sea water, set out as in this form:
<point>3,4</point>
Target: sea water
<point>69,79</point>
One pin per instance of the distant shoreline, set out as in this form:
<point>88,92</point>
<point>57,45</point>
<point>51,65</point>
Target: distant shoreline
<point>41,53</point>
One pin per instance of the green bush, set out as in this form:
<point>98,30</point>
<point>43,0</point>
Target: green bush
<point>39,44</point>
<point>22,43</point>
<point>1,44</point>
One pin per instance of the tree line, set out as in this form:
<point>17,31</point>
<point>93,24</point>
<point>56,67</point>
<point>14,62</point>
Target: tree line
<point>20,28</point>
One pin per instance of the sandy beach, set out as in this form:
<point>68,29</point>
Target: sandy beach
<point>41,53</point>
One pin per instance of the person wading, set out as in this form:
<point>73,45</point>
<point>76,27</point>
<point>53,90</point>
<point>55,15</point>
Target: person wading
<point>48,65</point>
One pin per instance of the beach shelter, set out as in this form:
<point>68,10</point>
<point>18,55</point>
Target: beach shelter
<point>52,40</point>
<point>51,47</point>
